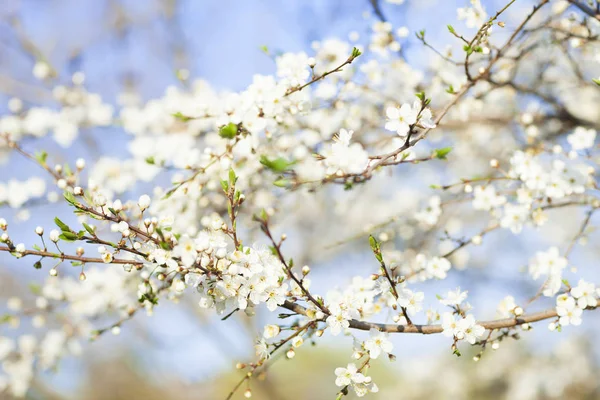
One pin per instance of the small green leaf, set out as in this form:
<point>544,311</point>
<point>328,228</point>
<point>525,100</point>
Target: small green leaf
<point>225,186</point>
<point>41,157</point>
<point>442,153</point>
<point>450,90</point>
<point>150,160</point>
<point>451,29</point>
<point>596,81</point>
<point>89,229</point>
<point>69,197</point>
<point>63,227</point>
<point>282,182</point>
<point>232,177</point>
<point>68,236</point>
<point>277,165</point>
<point>228,131</point>
<point>355,52</point>
<point>182,117</point>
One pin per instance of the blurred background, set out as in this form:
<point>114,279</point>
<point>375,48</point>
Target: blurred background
<point>141,47</point>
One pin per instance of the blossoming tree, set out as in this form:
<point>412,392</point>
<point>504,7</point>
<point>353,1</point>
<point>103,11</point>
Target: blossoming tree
<point>346,141</point>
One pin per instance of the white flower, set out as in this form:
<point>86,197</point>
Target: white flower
<point>413,302</point>
<point>485,198</point>
<point>107,257</point>
<point>551,264</point>
<point>506,306</point>
<point>400,119</point>
<point>377,343</point>
<point>437,267</point>
<point>7,345</point>
<point>454,298</point>
<point>515,217</point>
<point>144,202</point>
<point>582,138</point>
<point>270,331</point>
<point>348,375</point>
<point>262,350</point>
<point>20,248</point>
<point>585,293</point>
<point>471,329</point>
<point>450,326</point>
<point>474,16</point>
<point>292,68</point>
<point>297,341</point>
<point>54,235</point>
<point>337,323</point>
<point>186,250</point>
<point>342,156</point>
<point>569,313</point>
<point>431,213</point>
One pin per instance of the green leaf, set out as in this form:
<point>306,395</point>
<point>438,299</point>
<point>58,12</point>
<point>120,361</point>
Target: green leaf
<point>442,153</point>
<point>41,157</point>
<point>228,131</point>
<point>232,177</point>
<point>421,96</point>
<point>63,227</point>
<point>451,29</point>
<point>89,229</point>
<point>150,160</point>
<point>282,182</point>
<point>278,165</point>
<point>376,247</point>
<point>596,81</point>
<point>450,90</point>
<point>36,247</point>
<point>182,117</point>
<point>68,236</point>
<point>225,186</point>
<point>355,52</point>
<point>264,49</point>
<point>69,197</point>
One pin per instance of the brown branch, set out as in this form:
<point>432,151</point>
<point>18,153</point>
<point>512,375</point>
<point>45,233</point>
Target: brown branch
<point>322,76</point>
<point>586,9</point>
<point>63,257</point>
<point>431,329</point>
